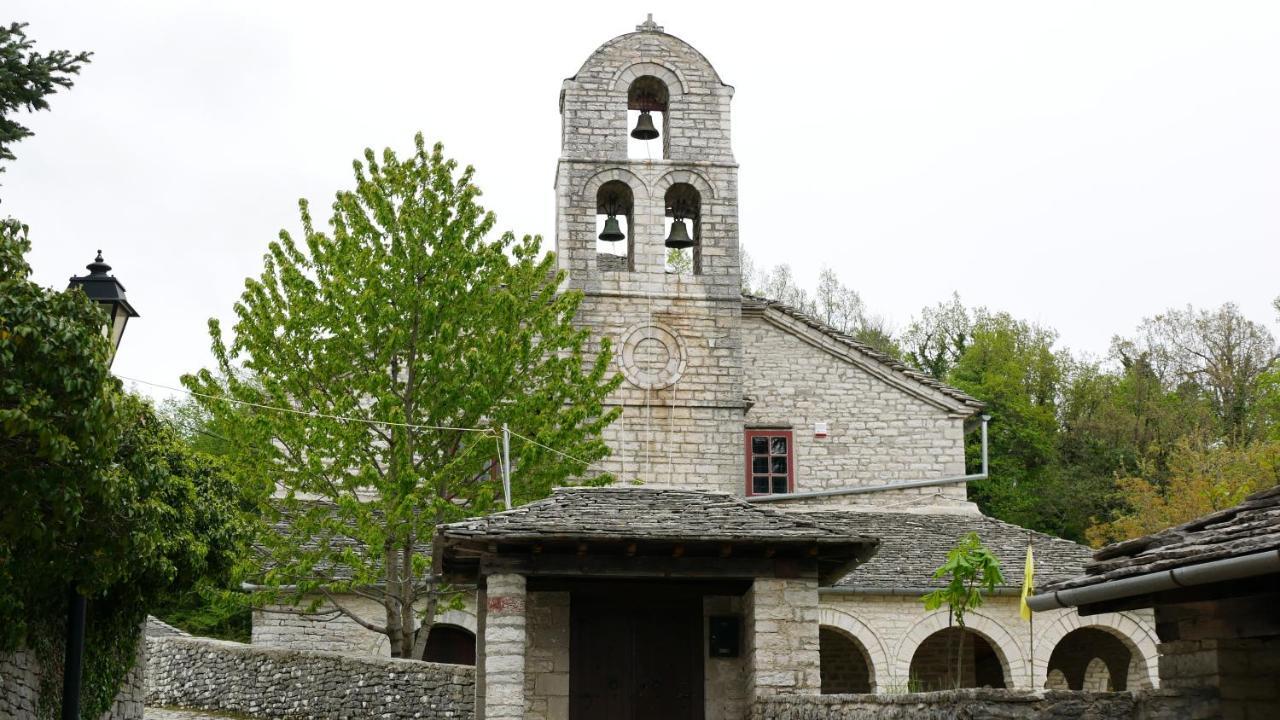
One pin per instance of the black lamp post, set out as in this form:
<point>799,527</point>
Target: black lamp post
<point>109,294</point>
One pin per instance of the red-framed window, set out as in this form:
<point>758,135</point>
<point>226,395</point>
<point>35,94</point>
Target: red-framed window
<point>771,464</point>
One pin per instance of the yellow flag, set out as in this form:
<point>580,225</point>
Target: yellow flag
<point>1028,586</point>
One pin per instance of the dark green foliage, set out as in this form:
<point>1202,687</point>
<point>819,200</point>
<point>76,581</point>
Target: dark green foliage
<point>26,78</point>
<point>100,493</point>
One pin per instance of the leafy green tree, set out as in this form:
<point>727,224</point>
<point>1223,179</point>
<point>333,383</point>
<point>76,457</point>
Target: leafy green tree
<point>100,494</point>
<point>1203,476</point>
<point>935,341</point>
<point>26,78</point>
<point>59,429</point>
<point>970,569</point>
<point>1011,365</point>
<point>1219,351</point>
<point>391,336</point>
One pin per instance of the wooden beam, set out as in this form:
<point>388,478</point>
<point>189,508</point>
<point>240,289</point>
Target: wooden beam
<point>617,566</point>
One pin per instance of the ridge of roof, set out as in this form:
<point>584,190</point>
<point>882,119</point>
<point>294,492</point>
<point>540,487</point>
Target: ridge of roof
<point>888,362</point>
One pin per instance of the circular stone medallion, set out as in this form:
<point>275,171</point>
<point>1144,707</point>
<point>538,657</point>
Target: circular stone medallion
<point>653,356</point>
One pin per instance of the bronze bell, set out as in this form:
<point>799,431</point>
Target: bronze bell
<point>612,231</point>
<point>679,237</point>
<point>644,127</point>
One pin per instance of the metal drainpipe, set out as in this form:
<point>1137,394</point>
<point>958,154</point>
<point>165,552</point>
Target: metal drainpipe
<point>1233,568</point>
<point>928,482</point>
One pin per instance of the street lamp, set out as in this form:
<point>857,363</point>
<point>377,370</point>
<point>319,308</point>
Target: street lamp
<point>107,291</point>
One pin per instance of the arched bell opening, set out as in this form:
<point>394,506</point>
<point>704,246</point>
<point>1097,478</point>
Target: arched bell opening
<point>450,644</point>
<point>1092,659</point>
<point>845,666</point>
<point>615,241</point>
<point>647,119</point>
<point>682,229</point>
<point>952,658</point>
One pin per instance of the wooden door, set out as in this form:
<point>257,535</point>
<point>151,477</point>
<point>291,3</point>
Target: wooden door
<point>634,660</point>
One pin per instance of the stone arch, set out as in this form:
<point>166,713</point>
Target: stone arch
<point>671,77</point>
<point>1017,673</point>
<point>1097,677</point>
<point>461,618</point>
<point>639,188</point>
<point>858,631</point>
<point>691,177</point>
<point>1144,671</point>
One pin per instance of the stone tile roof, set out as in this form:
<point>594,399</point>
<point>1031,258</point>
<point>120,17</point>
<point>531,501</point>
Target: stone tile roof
<point>890,363</point>
<point>913,545</point>
<point>1250,527</point>
<point>649,514</point>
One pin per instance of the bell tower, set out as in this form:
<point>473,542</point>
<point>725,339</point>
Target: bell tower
<point>647,229</point>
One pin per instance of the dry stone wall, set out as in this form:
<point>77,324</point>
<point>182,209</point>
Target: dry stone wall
<point>279,683</point>
<point>1003,704</point>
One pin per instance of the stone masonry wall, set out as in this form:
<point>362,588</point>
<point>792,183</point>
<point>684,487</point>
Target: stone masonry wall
<point>1004,704</point>
<point>330,631</point>
<point>278,683</point>
<point>546,663</point>
<point>781,619</point>
<point>20,687</point>
<point>1244,671</point>
<point>876,433</point>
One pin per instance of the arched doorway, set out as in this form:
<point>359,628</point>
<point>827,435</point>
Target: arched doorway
<point>450,644</point>
<point>1092,659</point>
<point>845,666</point>
<point>933,666</point>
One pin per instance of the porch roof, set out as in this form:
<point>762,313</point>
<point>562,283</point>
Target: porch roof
<point>649,530</point>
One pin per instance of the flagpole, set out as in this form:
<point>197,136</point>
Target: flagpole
<point>1031,620</point>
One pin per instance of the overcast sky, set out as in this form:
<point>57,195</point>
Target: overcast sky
<point>1079,164</point>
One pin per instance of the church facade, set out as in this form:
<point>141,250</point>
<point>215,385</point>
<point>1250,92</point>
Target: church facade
<point>784,492</point>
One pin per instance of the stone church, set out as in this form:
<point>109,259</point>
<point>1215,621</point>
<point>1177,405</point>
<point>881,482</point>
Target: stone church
<point>784,492</point>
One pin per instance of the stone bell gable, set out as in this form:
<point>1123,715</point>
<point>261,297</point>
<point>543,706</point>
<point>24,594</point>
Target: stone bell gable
<point>676,336</point>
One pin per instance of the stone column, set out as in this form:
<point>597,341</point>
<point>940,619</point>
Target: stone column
<point>504,648</point>
<point>782,637</point>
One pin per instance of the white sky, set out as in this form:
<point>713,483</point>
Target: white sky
<point>1079,164</point>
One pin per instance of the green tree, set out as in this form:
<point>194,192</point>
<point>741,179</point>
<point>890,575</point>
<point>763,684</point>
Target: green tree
<point>390,337</point>
<point>1220,351</point>
<point>99,492</point>
<point>1202,476</point>
<point>935,341</point>
<point>970,569</point>
<point>27,77</point>
<point>1011,365</point>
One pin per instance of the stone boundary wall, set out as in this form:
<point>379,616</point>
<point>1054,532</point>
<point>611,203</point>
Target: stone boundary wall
<point>986,703</point>
<point>20,687</point>
<point>269,682</point>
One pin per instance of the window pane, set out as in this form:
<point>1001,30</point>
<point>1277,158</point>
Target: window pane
<point>778,445</point>
<point>760,465</point>
<point>779,465</point>
<point>779,483</point>
<point>760,484</point>
<point>760,445</point>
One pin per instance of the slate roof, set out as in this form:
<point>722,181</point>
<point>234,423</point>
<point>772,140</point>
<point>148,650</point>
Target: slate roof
<point>1252,526</point>
<point>890,363</point>
<point>649,514</point>
<point>913,545</point>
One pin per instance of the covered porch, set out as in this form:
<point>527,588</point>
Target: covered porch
<point>633,602</point>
